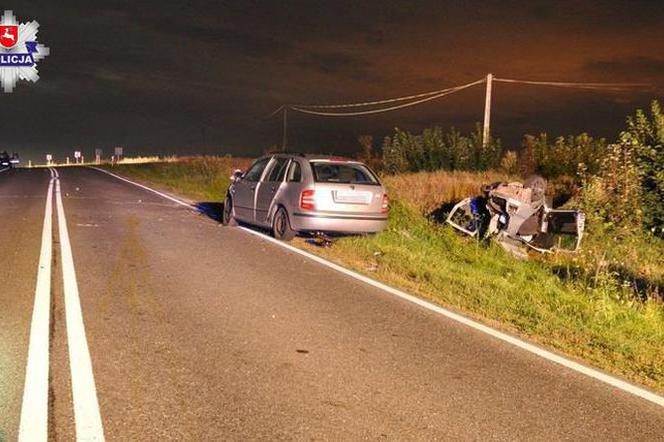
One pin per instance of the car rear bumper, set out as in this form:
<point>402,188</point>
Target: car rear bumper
<point>321,222</point>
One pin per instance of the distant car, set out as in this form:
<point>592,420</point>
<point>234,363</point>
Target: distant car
<point>295,193</point>
<point>5,160</point>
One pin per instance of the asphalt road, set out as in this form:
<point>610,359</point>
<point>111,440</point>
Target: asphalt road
<point>200,332</point>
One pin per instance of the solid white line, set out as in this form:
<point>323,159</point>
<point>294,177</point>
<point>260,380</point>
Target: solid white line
<point>545,354</point>
<point>86,407</point>
<point>34,409</point>
<point>161,194</point>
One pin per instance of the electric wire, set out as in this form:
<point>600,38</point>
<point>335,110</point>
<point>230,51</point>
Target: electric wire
<point>373,103</point>
<point>428,96</point>
<point>447,91</point>
<point>602,86</point>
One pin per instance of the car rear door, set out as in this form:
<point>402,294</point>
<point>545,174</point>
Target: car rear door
<point>244,191</point>
<point>269,187</point>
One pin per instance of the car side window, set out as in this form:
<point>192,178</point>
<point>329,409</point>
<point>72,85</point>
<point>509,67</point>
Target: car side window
<point>295,172</point>
<point>278,170</point>
<point>254,173</point>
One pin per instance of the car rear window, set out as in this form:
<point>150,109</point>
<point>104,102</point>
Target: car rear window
<point>350,173</point>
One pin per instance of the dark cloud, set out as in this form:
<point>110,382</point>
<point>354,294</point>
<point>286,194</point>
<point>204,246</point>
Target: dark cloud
<point>339,64</point>
<point>633,66</point>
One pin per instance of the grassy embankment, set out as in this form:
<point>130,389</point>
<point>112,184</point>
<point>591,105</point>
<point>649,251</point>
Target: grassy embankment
<point>561,302</point>
<point>200,179</point>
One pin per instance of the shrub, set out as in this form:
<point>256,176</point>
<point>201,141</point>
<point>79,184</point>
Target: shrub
<point>435,150</point>
<point>646,136</point>
<point>367,154</point>
<point>612,197</point>
<point>509,165</point>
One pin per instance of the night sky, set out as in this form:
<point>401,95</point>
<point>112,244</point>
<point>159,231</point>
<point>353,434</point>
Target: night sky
<point>177,77</point>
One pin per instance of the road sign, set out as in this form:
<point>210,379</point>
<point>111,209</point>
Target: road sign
<point>98,152</point>
<point>49,157</point>
<point>77,154</point>
<point>119,151</point>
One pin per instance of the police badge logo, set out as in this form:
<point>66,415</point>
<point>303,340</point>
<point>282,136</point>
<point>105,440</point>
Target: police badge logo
<point>19,51</point>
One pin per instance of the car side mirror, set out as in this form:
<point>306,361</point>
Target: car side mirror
<point>237,175</point>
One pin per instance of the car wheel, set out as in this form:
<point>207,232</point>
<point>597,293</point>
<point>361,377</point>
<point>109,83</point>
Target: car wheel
<point>227,218</point>
<point>538,186</point>
<point>281,228</point>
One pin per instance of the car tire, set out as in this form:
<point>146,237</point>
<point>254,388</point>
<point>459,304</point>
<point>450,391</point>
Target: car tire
<point>227,218</point>
<point>538,186</point>
<point>281,228</point>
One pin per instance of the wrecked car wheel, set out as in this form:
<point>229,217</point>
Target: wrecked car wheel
<point>537,184</point>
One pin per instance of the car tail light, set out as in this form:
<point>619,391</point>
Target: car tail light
<point>386,204</point>
<point>307,201</point>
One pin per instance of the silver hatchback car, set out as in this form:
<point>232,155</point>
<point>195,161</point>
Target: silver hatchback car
<point>295,193</point>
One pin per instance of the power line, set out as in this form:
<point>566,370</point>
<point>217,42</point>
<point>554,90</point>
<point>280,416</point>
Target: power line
<point>438,94</point>
<point>429,96</point>
<point>603,86</point>
<point>372,103</point>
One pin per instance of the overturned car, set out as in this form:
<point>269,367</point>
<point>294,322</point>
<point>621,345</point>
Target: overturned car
<point>518,216</point>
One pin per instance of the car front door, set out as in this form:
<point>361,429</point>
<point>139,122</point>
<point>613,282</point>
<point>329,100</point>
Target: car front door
<point>269,187</point>
<point>244,191</point>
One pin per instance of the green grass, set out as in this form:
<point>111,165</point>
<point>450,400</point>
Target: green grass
<point>591,318</point>
<point>201,179</point>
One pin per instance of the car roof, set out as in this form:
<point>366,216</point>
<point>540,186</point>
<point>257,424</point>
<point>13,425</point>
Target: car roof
<point>313,157</point>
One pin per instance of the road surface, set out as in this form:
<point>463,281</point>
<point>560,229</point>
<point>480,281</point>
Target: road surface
<point>199,332</point>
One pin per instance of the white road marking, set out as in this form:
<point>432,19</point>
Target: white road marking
<point>4,170</point>
<point>161,194</point>
<point>545,354</point>
<point>34,409</point>
<point>86,407</point>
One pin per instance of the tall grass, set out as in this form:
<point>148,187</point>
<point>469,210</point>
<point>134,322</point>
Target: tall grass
<point>428,191</point>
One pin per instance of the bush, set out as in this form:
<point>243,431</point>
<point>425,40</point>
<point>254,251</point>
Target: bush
<point>646,136</point>
<point>435,150</point>
<point>564,155</point>
<point>612,197</point>
<point>509,165</point>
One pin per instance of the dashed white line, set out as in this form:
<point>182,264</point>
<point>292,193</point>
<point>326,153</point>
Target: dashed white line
<point>86,407</point>
<point>526,346</point>
<point>33,424</point>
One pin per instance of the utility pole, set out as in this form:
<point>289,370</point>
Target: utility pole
<point>486,133</point>
<point>284,140</point>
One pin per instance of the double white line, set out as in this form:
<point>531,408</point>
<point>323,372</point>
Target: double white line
<point>34,411</point>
